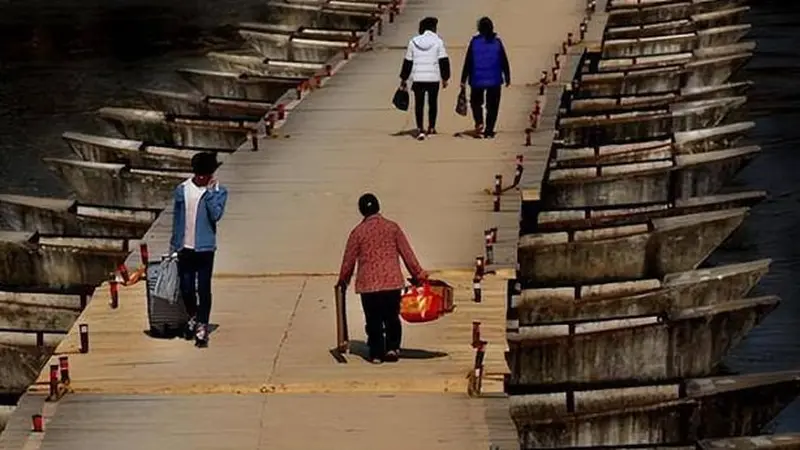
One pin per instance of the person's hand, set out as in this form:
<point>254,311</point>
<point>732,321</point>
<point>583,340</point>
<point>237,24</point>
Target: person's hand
<point>341,285</point>
<point>444,84</point>
<point>403,85</point>
<point>213,184</point>
<point>508,83</point>
<point>423,276</point>
<point>463,85</point>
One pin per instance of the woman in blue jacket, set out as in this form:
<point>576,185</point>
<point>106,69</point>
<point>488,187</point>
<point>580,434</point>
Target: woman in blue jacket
<point>486,69</point>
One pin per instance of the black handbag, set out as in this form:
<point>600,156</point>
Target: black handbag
<point>401,99</point>
<point>461,103</point>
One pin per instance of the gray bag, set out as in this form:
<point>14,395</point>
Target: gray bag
<point>167,285</point>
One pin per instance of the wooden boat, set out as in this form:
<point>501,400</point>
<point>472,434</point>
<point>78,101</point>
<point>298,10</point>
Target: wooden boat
<point>685,343</point>
<point>627,13</point>
<point>612,128</point>
<point>39,311</point>
<point>597,64</point>
<point>282,33</point>
<point>646,250</point>
<point>228,85</point>
<point>68,264</point>
<point>674,43</point>
<point>5,415</point>
<point>633,80</point>
<point>274,46</point>
<point>589,218</point>
<point>697,22</point>
<point>661,297</point>
<point>683,142</point>
<point>160,128</point>
<point>135,154</point>
<point>644,183</point>
<point>193,103</point>
<point>117,184</point>
<point>317,15</point>
<point>254,64</point>
<point>626,103</point>
<point>666,414</point>
<point>68,217</point>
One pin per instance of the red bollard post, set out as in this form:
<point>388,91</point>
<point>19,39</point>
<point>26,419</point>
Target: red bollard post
<point>555,73</point>
<point>328,70</point>
<point>84,331</point>
<point>476,334</point>
<point>488,246</point>
<point>583,29</point>
<point>498,184</point>
<point>537,107</point>
<point>493,230</point>
<point>281,111</point>
<point>37,423</point>
<point>371,35</point>
<point>53,382</point>
<point>528,137</point>
<point>113,287</point>
<point>144,254</point>
<point>299,89</point>
<point>123,271</point>
<point>380,26</point>
<point>63,364</point>
<point>564,47</point>
<point>570,42</point>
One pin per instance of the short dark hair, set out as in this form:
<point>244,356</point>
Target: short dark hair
<point>428,24</point>
<point>486,27</point>
<point>368,205</point>
<point>204,163</point>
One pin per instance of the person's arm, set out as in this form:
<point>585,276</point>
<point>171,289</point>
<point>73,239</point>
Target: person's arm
<point>215,202</point>
<point>174,245</point>
<point>409,258</point>
<point>444,63</point>
<point>408,63</point>
<point>505,65</point>
<point>465,71</point>
<point>348,260</point>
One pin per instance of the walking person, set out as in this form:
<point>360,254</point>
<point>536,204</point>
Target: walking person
<point>377,245</point>
<point>486,68</point>
<point>199,204</point>
<point>427,64</point>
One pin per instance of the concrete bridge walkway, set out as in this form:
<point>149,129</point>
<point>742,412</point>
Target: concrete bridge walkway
<point>267,380</point>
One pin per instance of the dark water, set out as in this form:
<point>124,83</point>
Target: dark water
<point>60,61</point>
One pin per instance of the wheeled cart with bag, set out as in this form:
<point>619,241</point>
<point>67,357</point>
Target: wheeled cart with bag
<point>167,318</point>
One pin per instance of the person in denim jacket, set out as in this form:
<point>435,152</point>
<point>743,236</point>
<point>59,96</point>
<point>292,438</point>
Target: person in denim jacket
<point>199,204</point>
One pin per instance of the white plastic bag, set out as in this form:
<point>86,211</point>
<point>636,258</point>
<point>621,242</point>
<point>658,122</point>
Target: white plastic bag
<point>167,285</point>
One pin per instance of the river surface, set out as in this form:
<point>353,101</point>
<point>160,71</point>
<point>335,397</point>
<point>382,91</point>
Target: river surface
<point>62,60</point>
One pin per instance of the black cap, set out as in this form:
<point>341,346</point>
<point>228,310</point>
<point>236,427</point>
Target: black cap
<point>204,163</point>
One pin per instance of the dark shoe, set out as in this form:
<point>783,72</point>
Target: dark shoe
<point>431,131</point>
<point>375,360</point>
<point>391,356</point>
<point>488,134</point>
<point>191,326</point>
<point>420,135</point>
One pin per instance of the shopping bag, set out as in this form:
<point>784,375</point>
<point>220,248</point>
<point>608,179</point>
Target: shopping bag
<point>401,99</point>
<point>167,285</point>
<point>421,304</point>
<point>461,103</point>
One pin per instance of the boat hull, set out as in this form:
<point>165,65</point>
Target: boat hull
<point>618,17</point>
<point>675,244</point>
<point>128,152</point>
<point>645,350</point>
<point>200,105</point>
<point>68,218</point>
<point>234,85</point>
<point>113,184</point>
<point>675,292</point>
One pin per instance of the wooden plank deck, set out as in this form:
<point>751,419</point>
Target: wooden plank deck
<point>267,379</point>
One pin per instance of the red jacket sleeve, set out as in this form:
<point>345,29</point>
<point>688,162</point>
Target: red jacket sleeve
<point>349,258</point>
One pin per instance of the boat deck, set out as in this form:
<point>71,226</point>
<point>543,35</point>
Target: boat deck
<point>267,379</point>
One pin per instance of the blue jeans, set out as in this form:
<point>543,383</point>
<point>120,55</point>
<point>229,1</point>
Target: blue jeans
<point>195,270</point>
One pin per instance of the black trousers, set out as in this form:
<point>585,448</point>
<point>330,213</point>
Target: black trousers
<point>195,270</point>
<point>432,90</point>
<point>492,98</point>
<point>382,314</point>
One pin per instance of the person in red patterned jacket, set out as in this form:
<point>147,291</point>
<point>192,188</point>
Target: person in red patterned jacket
<point>377,245</point>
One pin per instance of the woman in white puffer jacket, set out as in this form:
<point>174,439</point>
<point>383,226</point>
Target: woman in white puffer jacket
<point>427,64</point>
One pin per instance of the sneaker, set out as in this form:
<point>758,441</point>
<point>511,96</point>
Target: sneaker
<point>375,361</point>
<point>420,135</point>
<point>201,336</point>
<point>431,131</point>
<point>391,356</point>
<point>191,327</point>
<point>488,134</point>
